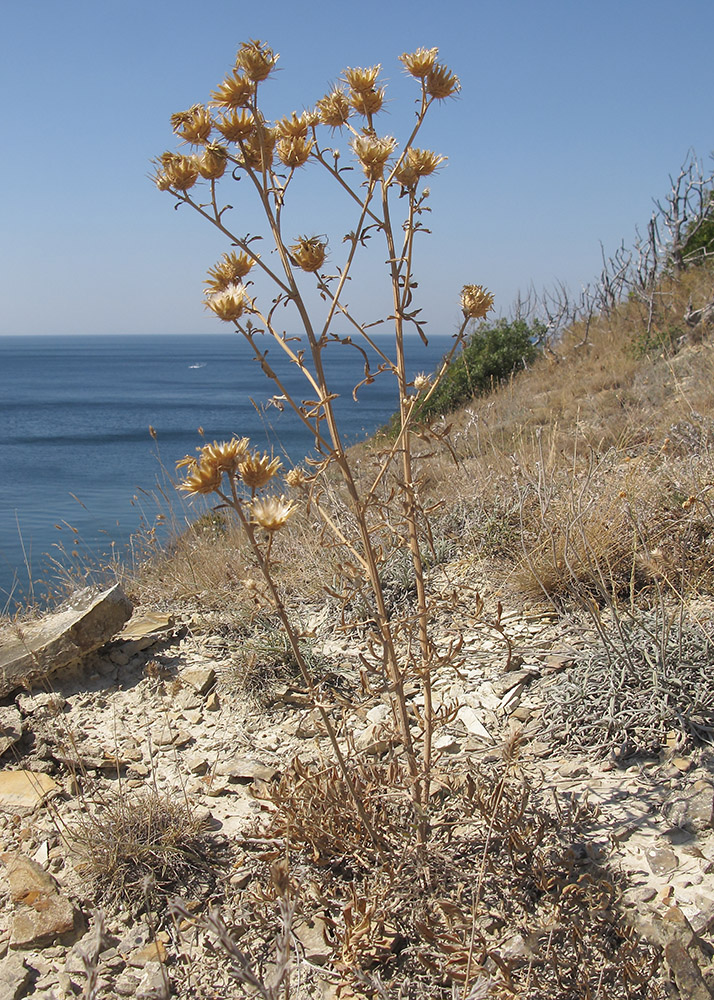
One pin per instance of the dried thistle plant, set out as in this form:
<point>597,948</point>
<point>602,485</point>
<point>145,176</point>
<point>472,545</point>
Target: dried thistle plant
<point>247,289</point>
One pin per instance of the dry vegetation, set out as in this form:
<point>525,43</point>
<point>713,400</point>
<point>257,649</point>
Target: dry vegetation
<point>583,482</point>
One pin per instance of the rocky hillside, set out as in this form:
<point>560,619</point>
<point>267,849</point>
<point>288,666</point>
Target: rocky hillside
<point>172,822</point>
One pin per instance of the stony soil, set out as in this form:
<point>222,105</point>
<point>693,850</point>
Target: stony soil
<point>164,707</point>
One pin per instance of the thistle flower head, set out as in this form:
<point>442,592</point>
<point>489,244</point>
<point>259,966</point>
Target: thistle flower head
<point>256,60</point>
<point>193,125</point>
<point>178,172</point>
<point>373,153</point>
<point>441,82</point>
<point>236,126</point>
<point>476,301</point>
<point>225,456</point>
<point>421,382</point>
<point>203,477</point>
<point>230,270</point>
<point>229,303</point>
<point>294,151</point>
<point>297,478</point>
<point>212,164</point>
<point>235,91</point>
<point>420,63</point>
<point>423,161</point>
<point>294,127</point>
<point>334,108</point>
<point>161,180</point>
<point>367,102</point>
<point>256,470</point>
<point>271,513</point>
<point>309,252</point>
<point>362,80</point>
<point>258,148</point>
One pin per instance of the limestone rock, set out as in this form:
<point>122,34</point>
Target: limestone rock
<point>154,951</point>
<point>41,913</point>
<point>686,972</point>
<point>201,679</point>
<point>14,978</point>
<point>154,983</point>
<point>244,770</point>
<point>144,630</point>
<point>502,685</point>
<point>312,935</point>
<point>693,809</point>
<point>31,653</point>
<point>10,727</point>
<point>22,791</point>
<point>373,740</point>
<point>472,722</point>
<point>661,860</point>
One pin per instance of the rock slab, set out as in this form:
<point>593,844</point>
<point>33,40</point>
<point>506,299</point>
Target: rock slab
<point>30,653</point>
<point>10,727</point>
<point>14,978</point>
<point>41,913</point>
<point>22,791</point>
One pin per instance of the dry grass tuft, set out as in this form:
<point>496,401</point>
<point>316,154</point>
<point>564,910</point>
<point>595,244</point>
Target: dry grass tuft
<point>137,847</point>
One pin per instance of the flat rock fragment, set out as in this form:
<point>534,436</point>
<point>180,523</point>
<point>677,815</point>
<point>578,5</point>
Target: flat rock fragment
<point>22,791</point>
<point>40,913</point>
<point>10,727</point>
<point>30,653</point>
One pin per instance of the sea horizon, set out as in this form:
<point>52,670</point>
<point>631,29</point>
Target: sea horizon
<point>83,473</point>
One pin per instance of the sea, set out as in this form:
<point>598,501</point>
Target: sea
<point>92,428</point>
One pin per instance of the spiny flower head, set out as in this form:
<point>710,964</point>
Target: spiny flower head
<point>476,301</point>
<point>212,164</point>
<point>309,252</point>
<point>236,91</point>
<point>258,148</point>
<point>419,63</point>
<point>367,102</point>
<point>294,151</point>
<point>296,127</point>
<point>417,163</point>
<point>373,153</point>
<point>424,161</point>
<point>193,125</point>
<point>362,80</point>
<point>256,470</point>
<point>234,126</point>
<point>176,171</point>
<point>203,477</point>
<point>442,83</point>
<point>227,455</point>
<point>334,108</point>
<point>271,513</point>
<point>421,382</point>
<point>230,270</point>
<point>297,479</point>
<point>229,303</point>
<point>256,60</point>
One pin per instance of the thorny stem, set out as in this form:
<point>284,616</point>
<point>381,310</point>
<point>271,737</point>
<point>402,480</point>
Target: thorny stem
<point>263,560</point>
<point>235,240</point>
<point>340,457</point>
<point>409,488</point>
<point>366,551</point>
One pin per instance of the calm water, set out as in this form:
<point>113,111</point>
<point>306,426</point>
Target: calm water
<point>80,469</point>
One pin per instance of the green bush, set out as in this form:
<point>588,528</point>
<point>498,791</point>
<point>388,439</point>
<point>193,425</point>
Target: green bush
<point>666,342</point>
<point>492,353</point>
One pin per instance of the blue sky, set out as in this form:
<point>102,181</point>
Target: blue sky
<point>570,119</point>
